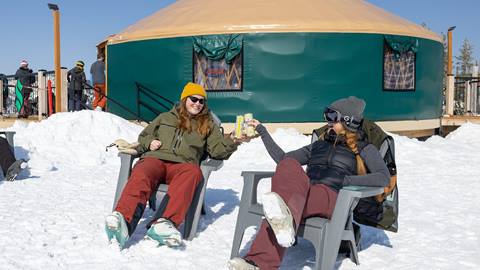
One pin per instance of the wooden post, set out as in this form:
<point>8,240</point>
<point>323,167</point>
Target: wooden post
<point>449,94</point>
<point>468,93</point>
<point>56,49</point>
<point>64,98</point>
<point>475,90</point>
<point>42,94</point>
<point>449,66</point>
<point>450,79</point>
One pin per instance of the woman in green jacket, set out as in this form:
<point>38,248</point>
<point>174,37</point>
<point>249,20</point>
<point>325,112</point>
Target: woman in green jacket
<point>172,146</point>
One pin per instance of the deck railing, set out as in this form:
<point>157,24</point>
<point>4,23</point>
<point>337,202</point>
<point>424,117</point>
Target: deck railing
<point>467,96</point>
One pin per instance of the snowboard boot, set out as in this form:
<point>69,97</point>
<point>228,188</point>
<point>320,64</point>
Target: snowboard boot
<point>238,263</point>
<point>116,227</point>
<point>279,218</point>
<point>14,169</point>
<point>165,233</point>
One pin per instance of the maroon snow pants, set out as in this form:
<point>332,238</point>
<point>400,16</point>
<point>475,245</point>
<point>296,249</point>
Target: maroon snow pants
<point>303,199</point>
<point>147,174</point>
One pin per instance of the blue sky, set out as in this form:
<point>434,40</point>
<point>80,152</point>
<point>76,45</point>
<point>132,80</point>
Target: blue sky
<point>27,26</point>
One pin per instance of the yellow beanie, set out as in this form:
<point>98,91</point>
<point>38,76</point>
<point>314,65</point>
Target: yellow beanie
<point>191,89</point>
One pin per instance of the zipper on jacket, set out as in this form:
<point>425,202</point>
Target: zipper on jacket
<point>178,139</point>
<point>329,156</point>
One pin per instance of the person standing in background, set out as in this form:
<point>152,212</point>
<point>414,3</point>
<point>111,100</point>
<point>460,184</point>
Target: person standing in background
<point>26,78</point>
<point>4,79</point>
<point>76,82</point>
<point>98,79</point>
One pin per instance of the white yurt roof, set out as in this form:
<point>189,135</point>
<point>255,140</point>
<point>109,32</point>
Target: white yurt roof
<point>202,17</point>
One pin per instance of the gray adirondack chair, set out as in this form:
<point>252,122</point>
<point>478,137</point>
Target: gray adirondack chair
<point>325,234</point>
<point>158,200</point>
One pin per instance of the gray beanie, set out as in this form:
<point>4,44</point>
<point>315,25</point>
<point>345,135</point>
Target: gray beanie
<point>352,107</point>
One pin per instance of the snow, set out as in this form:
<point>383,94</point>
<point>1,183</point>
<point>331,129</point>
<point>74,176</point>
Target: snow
<point>53,216</point>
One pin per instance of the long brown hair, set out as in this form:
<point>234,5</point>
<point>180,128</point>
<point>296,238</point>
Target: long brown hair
<point>202,118</point>
<point>351,139</point>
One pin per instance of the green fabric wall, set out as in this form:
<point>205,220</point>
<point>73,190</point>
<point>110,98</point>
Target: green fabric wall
<point>287,77</point>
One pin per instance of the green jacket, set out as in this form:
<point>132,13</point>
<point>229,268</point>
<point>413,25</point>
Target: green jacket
<point>181,146</point>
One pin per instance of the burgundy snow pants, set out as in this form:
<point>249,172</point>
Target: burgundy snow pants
<point>303,199</point>
<point>147,174</point>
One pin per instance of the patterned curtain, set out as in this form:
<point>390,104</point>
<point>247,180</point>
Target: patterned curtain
<point>216,47</point>
<point>218,62</point>
<point>399,63</point>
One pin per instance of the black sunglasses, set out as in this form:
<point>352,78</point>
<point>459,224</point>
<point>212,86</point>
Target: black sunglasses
<point>195,100</point>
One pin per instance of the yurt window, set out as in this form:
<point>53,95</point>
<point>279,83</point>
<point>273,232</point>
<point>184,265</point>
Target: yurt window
<point>218,62</point>
<point>399,65</point>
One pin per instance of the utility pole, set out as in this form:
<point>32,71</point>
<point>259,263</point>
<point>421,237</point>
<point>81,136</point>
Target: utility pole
<point>56,53</point>
<point>450,78</point>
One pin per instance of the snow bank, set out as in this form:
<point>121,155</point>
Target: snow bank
<point>53,217</point>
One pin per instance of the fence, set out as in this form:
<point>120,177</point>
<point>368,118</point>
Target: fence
<point>467,96</point>
<point>9,108</point>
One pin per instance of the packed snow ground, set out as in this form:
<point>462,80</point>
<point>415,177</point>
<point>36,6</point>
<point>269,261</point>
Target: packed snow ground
<point>53,217</point>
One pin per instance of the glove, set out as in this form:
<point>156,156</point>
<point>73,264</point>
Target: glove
<point>125,147</point>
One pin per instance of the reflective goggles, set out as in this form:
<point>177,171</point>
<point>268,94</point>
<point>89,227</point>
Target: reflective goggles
<point>332,116</point>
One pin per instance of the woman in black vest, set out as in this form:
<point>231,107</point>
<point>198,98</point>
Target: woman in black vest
<point>342,158</point>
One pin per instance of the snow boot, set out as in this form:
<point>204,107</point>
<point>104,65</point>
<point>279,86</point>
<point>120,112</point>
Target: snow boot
<point>238,263</point>
<point>279,218</point>
<point>116,227</point>
<point>15,169</point>
<point>165,233</point>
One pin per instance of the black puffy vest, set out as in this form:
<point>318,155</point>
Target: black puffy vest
<point>329,163</point>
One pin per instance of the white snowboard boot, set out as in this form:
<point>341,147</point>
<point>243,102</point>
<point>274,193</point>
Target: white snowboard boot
<point>15,169</point>
<point>116,227</point>
<point>279,218</point>
<point>164,232</point>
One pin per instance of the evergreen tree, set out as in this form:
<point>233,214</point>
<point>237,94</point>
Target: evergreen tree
<point>465,61</point>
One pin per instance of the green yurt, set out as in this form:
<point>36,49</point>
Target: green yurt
<point>282,60</point>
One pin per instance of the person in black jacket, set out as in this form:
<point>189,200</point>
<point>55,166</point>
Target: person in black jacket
<point>26,78</point>
<point>342,158</point>
<point>76,83</point>
<point>4,80</point>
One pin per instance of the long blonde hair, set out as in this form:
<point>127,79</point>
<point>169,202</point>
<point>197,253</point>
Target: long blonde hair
<point>184,119</point>
<point>351,139</point>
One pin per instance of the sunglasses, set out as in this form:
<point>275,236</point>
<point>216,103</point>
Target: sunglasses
<point>195,100</point>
